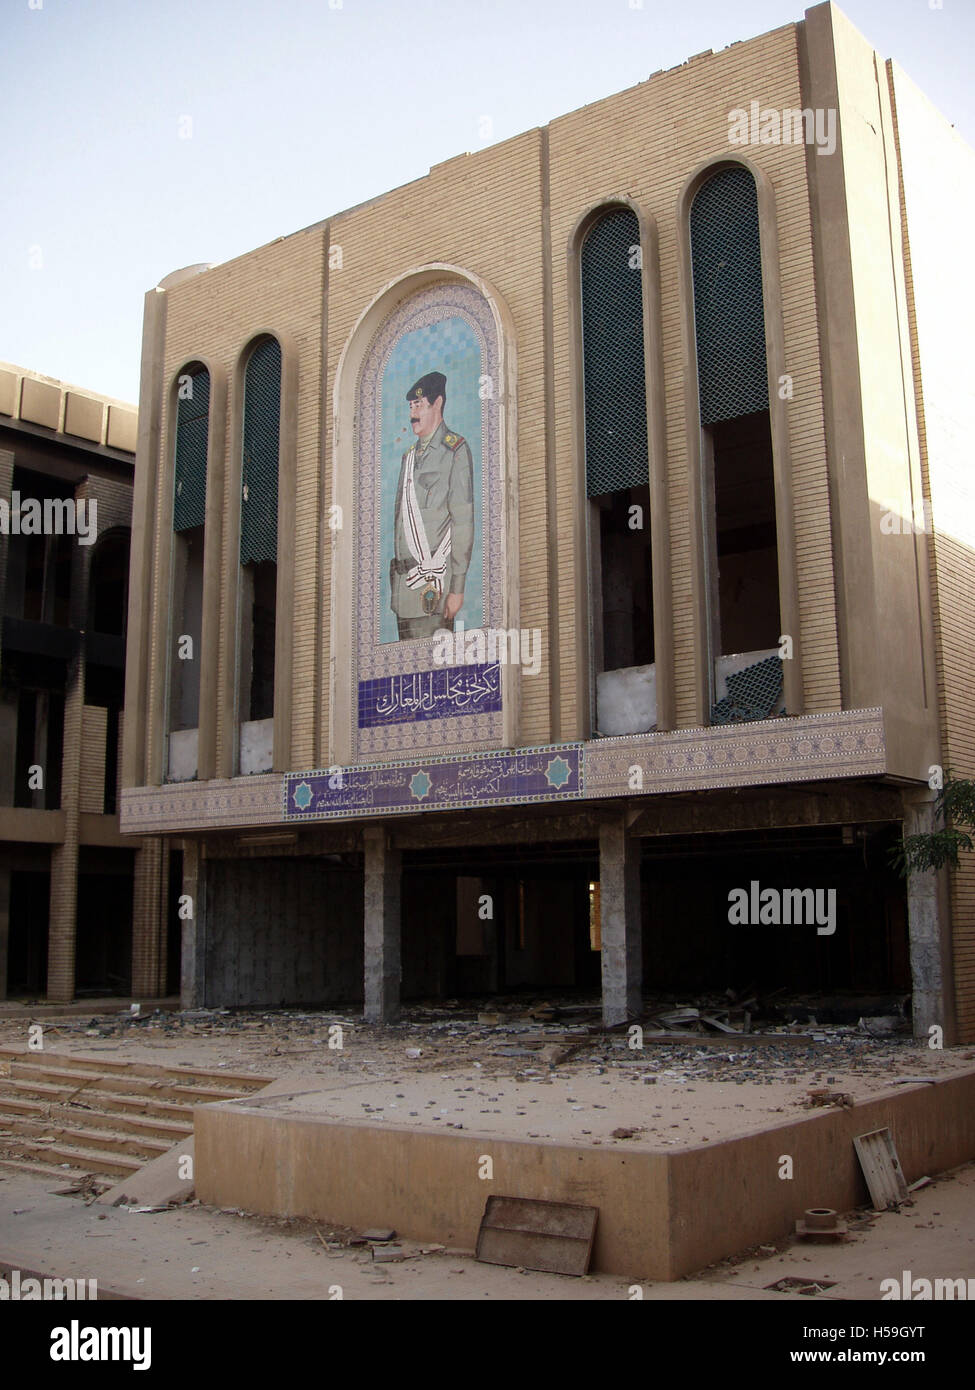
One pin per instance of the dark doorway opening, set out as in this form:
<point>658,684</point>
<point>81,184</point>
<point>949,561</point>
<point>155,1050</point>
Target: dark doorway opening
<point>103,951</point>
<point>30,895</point>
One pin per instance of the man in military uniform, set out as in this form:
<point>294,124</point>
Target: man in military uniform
<point>434,525</point>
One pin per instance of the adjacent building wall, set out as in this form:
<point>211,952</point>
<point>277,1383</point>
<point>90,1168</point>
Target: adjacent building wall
<point>938,183</point>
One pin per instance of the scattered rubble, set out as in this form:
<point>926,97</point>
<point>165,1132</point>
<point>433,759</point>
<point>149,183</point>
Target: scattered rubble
<point>809,1051</point>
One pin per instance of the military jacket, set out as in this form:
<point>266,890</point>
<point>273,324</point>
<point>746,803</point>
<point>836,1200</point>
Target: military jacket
<point>443,475</point>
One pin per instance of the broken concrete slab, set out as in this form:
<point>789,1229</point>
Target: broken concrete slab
<point>388,1254</point>
<point>160,1183</point>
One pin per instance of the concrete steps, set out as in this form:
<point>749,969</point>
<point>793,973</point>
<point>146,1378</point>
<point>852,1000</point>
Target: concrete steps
<point>127,1084</point>
<point>73,1117</point>
<point>14,1091</point>
<point>79,1161</point>
<point>12,1108</point>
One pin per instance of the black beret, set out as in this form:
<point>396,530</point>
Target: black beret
<point>432,385</point>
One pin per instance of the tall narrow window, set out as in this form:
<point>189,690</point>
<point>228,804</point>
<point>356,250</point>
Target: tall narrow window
<point>739,486</point>
<point>189,513</point>
<point>108,585</point>
<point>259,553</point>
<point>617,474</point>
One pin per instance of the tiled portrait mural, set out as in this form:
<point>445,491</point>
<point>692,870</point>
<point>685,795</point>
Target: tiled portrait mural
<point>429,517</point>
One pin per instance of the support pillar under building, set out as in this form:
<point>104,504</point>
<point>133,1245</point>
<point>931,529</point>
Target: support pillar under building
<point>383,871</point>
<point>620,923</point>
<point>927,915</point>
<point>192,992</point>
<point>63,920</point>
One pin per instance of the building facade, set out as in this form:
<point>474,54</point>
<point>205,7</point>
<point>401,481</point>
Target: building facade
<point>82,907</point>
<point>540,561</point>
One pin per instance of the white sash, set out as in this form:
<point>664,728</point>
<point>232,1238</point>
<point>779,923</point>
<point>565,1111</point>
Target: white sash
<point>431,566</point>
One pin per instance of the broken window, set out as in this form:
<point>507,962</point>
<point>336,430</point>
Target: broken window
<point>742,582</point>
<point>259,553</point>
<point>617,474</point>
<point>189,518</point>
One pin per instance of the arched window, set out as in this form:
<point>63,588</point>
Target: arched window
<point>617,472</point>
<point>259,546</point>
<point>739,488</point>
<point>189,516</point>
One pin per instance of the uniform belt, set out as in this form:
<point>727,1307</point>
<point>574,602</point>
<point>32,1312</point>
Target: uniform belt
<point>403,566</point>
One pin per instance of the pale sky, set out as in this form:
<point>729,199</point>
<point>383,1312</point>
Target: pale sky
<point>145,135</point>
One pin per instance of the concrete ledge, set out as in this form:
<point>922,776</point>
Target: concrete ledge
<point>21,824</point>
<point>834,746</point>
<point>662,1215</point>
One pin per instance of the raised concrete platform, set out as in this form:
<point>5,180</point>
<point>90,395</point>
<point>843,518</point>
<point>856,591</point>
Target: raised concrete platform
<point>663,1212</point>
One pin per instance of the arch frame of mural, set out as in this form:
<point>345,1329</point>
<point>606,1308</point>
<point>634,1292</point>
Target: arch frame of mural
<point>360,652</point>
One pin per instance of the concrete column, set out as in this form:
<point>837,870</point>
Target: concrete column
<point>139,712</point>
<point>62,927</point>
<point>620,926</point>
<point>383,972</point>
<point>928,918</point>
<point>4,926</point>
<point>149,880</point>
<point>193,953</point>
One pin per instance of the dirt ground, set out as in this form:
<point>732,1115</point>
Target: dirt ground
<point>196,1252</point>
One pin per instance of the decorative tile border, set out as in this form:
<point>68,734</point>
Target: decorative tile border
<point>807,748</point>
<point>437,784</point>
<point>192,806</point>
<point>816,747</point>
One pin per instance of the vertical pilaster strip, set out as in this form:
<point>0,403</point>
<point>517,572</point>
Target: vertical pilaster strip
<point>138,631</point>
<point>149,920</point>
<point>551,484</point>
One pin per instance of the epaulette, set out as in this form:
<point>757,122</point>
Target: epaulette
<point>453,441</point>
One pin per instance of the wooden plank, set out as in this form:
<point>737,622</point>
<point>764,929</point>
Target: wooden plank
<point>528,1233</point>
<point>881,1168</point>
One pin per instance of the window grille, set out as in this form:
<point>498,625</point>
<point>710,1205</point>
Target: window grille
<point>262,416</point>
<point>192,423</point>
<point>612,352</point>
<point>729,311</point>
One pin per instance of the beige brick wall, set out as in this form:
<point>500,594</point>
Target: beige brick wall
<point>278,287</point>
<point>149,898</point>
<point>484,213</point>
<point>94,724</point>
<point>646,143</point>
